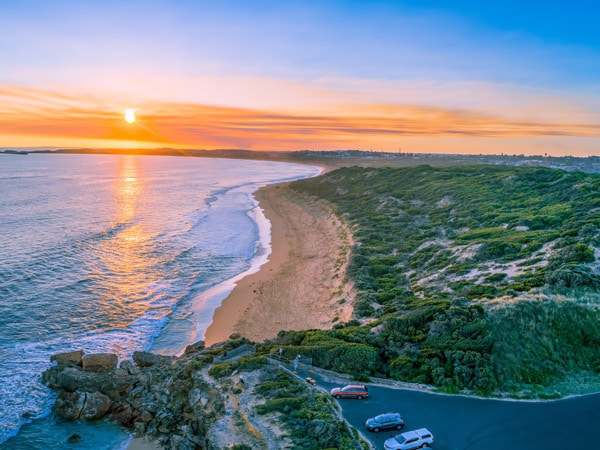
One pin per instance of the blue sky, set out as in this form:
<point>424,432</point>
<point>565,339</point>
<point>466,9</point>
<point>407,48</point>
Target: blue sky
<point>517,62</point>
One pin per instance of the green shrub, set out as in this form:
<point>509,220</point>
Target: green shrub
<point>247,363</point>
<point>573,276</point>
<point>221,370</point>
<point>495,278</point>
<point>283,405</point>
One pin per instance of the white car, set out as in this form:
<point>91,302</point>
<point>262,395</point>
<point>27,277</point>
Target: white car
<point>410,440</point>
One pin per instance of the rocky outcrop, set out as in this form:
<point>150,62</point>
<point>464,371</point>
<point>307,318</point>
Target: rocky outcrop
<point>114,383</point>
<point>164,397</point>
<point>194,348</point>
<point>206,399</point>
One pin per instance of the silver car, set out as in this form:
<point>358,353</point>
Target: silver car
<point>410,440</point>
<point>385,421</point>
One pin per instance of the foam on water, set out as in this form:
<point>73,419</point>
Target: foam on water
<point>189,322</point>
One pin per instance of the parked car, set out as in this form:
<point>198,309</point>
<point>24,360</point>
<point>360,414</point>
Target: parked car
<point>385,422</point>
<point>410,440</point>
<point>351,391</point>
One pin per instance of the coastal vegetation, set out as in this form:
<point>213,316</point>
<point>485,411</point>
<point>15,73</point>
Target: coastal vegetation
<point>474,278</point>
<point>309,415</point>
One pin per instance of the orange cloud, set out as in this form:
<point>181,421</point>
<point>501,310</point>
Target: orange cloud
<point>36,114</point>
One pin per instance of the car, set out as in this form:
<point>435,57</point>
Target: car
<point>385,422</point>
<point>410,440</point>
<point>351,391</point>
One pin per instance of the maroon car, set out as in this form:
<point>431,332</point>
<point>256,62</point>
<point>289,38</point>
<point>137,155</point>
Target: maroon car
<point>351,391</point>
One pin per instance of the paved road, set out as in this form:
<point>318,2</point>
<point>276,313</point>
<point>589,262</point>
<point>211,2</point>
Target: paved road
<point>466,423</point>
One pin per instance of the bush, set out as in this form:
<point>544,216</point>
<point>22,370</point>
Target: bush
<point>221,370</point>
<point>573,276</point>
<point>283,405</point>
<point>247,363</point>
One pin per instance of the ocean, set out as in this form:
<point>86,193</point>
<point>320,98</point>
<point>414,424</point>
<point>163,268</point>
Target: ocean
<point>115,253</point>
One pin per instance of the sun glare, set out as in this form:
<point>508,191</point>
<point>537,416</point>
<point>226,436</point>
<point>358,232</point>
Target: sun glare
<point>130,115</point>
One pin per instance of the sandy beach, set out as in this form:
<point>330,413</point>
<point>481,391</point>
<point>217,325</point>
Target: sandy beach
<point>302,285</point>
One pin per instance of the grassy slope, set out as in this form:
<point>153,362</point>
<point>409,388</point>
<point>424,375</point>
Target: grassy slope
<point>443,254</point>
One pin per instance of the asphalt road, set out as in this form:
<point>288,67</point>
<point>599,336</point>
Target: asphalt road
<point>466,423</point>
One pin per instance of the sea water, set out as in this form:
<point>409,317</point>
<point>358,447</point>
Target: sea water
<point>115,253</point>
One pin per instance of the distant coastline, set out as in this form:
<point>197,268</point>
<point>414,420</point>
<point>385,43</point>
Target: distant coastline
<point>333,159</point>
<point>15,152</point>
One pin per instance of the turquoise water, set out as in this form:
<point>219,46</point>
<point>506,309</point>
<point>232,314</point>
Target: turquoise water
<point>115,253</point>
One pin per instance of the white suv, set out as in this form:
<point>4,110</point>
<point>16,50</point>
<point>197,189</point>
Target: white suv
<point>410,440</point>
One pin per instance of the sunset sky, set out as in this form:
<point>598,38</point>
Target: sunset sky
<point>451,77</point>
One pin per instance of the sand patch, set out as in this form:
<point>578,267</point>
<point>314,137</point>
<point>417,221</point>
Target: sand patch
<point>303,285</point>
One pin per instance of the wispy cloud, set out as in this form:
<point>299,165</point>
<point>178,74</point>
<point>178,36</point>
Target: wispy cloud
<point>35,112</point>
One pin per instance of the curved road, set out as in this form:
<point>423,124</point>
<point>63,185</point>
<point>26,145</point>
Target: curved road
<point>467,423</point>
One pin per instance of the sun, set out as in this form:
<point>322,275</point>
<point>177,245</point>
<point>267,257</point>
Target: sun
<point>130,115</point>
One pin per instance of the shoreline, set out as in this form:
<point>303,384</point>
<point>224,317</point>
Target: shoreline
<point>301,286</point>
<point>178,334</point>
<point>305,239</point>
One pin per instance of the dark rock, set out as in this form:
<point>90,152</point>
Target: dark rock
<point>194,348</point>
<point>74,438</point>
<point>145,359</point>
<point>81,405</point>
<point>144,417</point>
<point>124,414</point>
<point>68,405</point>
<point>68,358</point>
<point>131,368</point>
<point>95,407</point>
<point>151,406</point>
<point>168,424</point>
<point>99,362</point>
<point>71,379</point>
<point>180,443</point>
<point>139,428</point>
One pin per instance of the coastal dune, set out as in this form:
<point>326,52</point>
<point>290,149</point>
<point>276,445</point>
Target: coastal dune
<point>302,286</point>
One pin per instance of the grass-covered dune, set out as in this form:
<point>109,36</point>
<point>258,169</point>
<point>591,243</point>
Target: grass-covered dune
<point>476,278</point>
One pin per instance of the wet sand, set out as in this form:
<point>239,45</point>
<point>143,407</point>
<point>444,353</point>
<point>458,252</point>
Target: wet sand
<point>302,285</point>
